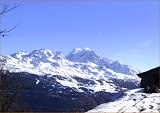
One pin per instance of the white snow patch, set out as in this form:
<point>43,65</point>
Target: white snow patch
<point>133,102</point>
<point>37,81</point>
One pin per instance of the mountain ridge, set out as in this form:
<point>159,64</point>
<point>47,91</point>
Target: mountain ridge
<point>80,74</point>
<point>80,63</point>
<point>81,55</point>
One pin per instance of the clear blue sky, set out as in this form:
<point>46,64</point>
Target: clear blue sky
<point>124,30</point>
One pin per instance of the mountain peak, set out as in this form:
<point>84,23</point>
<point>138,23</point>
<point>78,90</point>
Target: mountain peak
<point>82,55</point>
<point>87,49</point>
<point>77,50</point>
<point>58,55</point>
<point>42,53</point>
<point>19,55</point>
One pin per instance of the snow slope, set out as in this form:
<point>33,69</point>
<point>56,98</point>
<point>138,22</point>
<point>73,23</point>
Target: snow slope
<point>80,68</point>
<point>134,101</point>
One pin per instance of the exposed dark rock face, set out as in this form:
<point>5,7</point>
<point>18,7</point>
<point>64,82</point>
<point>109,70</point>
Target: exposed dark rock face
<point>124,84</point>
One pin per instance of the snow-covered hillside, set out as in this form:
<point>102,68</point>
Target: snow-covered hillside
<point>81,80</point>
<point>81,64</point>
<point>133,101</point>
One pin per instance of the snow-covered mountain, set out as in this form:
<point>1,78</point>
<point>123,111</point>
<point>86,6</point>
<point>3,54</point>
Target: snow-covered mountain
<point>79,81</point>
<point>81,63</point>
<point>83,55</point>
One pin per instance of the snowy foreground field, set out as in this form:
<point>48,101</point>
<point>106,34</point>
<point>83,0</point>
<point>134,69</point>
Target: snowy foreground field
<point>134,101</point>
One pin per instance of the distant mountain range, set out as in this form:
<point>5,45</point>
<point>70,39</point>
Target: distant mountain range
<point>81,73</point>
